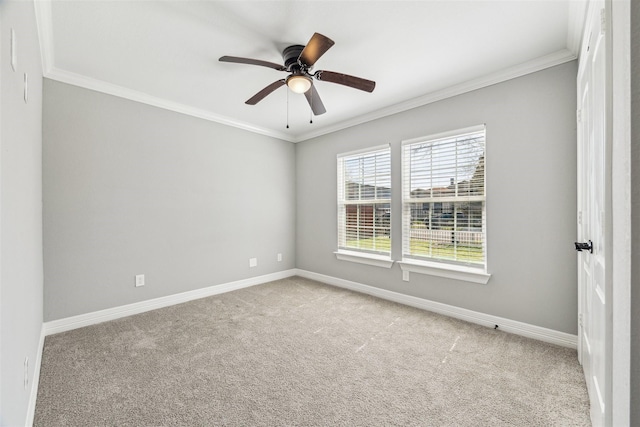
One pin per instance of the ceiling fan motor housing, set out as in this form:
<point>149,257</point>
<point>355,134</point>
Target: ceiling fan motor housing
<point>298,62</point>
<point>290,55</point>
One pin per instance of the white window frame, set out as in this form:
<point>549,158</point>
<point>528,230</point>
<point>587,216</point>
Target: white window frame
<point>345,253</point>
<point>435,266</point>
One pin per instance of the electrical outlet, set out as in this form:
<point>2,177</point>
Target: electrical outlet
<point>26,372</point>
<point>139,280</point>
<point>279,257</point>
<point>405,275</point>
<point>253,262</point>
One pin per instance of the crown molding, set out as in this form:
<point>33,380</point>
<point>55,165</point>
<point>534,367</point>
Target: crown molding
<point>45,34</point>
<point>133,95</point>
<point>539,64</point>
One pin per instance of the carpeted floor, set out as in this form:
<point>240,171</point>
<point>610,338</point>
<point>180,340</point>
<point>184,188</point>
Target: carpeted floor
<point>299,353</point>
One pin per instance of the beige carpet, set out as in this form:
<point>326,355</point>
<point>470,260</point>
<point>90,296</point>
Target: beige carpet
<point>296,352</point>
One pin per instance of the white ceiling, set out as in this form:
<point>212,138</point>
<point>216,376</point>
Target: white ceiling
<point>165,53</point>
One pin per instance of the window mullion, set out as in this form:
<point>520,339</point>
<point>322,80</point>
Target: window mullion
<point>358,226</point>
<point>455,178</point>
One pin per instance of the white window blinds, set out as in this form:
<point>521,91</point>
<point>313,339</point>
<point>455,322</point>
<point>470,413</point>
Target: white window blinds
<point>443,197</point>
<point>364,201</point>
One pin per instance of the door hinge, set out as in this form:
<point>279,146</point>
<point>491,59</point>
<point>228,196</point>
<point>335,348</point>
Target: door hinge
<point>579,217</point>
<point>580,319</point>
<point>603,21</point>
<point>578,116</point>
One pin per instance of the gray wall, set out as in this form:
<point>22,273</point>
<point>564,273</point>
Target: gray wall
<point>635,213</point>
<point>531,200</point>
<point>133,189</point>
<point>21,209</point>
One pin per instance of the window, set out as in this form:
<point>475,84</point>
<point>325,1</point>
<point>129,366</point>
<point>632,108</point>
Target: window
<point>364,202</point>
<point>443,199</point>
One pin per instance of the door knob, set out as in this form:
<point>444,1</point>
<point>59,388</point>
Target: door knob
<point>584,246</point>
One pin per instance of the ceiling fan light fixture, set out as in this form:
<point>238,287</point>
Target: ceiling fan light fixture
<point>298,62</point>
<point>299,83</point>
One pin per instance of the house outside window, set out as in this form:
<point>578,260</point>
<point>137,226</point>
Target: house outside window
<point>364,201</point>
<point>443,199</point>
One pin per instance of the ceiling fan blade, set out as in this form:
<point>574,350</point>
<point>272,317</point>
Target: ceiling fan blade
<point>264,92</point>
<point>317,46</point>
<point>314,101</point>
<point>250,61</point>
<point>346,80</point>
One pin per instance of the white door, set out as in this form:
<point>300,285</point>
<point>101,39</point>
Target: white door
<point>593,214</point>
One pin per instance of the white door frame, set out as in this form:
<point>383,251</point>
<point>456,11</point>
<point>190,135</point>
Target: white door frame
<point>617,393</point>
<point>621,215</point>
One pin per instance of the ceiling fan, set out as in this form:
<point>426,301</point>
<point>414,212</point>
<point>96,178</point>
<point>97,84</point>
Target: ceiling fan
<point>298,62</point>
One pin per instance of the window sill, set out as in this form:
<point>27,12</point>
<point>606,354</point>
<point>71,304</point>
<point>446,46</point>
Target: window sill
<point>365,258</point>
<point>467,274</point>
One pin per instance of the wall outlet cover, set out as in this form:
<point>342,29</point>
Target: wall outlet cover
<point>139,280</point>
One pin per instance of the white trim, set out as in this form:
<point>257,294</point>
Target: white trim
<point>431,266</point>
<point>79,321</point>
<point>365,258</point>
<point>44,23</point>
<point>450,271</point>
<point>621,216</point>
<point>523,329</point>
<point>560,57</point>
<point>133,95</point>
<point>35,381</point>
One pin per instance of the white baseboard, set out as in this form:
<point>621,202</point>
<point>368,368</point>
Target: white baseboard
<point>530,331</point>
<point>507,325</point>
<point>74,322</point>
<point>35,380</point>
<point>79,321</point>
